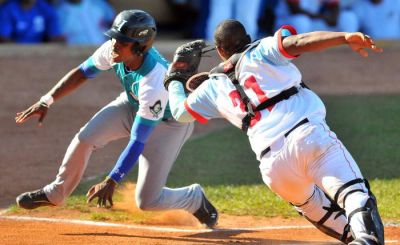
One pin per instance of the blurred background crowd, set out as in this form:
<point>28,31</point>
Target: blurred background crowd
<point>82,22</point>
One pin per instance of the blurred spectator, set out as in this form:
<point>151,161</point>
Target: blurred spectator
<point>312,15</point>
<point>191,16</point>
<point>347,4</point>
<point>379,18</point>
<point>83,22</point>
<point>266,20</point>
<point>54,2</point>
<point>29,21</point>
<point>244,11</point>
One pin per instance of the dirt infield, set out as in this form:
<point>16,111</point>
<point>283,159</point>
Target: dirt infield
<point>232,230</point>
<point>30,156</point>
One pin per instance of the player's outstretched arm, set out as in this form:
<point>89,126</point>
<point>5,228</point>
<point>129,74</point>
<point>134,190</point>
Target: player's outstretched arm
<point>66,85</point>
<point>321,40</point>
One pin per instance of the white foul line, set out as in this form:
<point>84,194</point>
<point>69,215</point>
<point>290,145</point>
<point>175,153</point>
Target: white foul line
<point>152,228</point>
<point>162,229</point>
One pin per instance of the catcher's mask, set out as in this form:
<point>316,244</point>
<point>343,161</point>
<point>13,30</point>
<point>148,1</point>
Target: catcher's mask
<point>134,26</point>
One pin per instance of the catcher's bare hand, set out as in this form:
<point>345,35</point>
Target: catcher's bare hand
<point>359,42</point>
<point>38,109</point>
<point>104,191</point>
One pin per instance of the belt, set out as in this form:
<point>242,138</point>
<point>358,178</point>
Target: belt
<point>268,149</point>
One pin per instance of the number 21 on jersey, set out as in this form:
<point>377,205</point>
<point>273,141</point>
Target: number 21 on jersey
<point>250,83</point>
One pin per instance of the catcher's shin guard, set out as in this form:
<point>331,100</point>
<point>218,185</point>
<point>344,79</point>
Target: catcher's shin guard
<point>368,217</point>
<point>326,216</point>
<point>364,219</point>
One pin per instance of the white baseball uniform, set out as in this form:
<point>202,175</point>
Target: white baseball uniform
<point>301,166</point>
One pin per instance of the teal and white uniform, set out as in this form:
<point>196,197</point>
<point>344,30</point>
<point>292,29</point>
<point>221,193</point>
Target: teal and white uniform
<point>142,113</point>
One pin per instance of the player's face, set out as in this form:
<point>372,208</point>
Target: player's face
<point>121,51</point>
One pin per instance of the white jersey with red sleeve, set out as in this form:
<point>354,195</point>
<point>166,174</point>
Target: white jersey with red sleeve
<point>264,72</point>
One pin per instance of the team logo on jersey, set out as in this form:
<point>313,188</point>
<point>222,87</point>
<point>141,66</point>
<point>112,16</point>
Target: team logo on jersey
<point>156,108</point>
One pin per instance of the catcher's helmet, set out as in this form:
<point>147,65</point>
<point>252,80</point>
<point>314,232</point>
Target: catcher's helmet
<point>134,26</point>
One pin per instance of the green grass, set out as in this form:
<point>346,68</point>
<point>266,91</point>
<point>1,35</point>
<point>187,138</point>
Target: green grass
<point>370,128</point>
<point>224,165</point>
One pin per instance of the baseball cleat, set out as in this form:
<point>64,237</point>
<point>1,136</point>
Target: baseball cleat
<point>365,240</point>
<point>33,199</point>
<point>207,214</point>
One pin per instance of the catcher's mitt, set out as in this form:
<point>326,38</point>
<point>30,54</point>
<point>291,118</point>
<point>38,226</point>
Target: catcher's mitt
<point>196,80</point>
<point>185,63</point>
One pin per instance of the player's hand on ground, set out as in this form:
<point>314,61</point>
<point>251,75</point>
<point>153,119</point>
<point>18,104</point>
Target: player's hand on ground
<point>104,191</point>
<point>38,109</point>
<point>359,42</point>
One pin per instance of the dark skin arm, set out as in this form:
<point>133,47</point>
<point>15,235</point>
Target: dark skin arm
<point>71,81</point>
<point>321,40</point>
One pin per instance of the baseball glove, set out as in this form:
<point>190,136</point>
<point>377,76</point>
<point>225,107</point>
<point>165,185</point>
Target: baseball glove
<point>196,80</point>
<point>185,63</point>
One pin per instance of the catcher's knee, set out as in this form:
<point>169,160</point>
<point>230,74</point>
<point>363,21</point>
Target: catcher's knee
<point>326,216</point>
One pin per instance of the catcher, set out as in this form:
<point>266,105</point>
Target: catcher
<point>259,90</point>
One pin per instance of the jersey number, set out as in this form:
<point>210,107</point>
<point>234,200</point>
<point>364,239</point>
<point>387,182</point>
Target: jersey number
<point>250,83</point>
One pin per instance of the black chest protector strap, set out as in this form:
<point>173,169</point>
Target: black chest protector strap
<point>246,101</point>
<point>229,68</point>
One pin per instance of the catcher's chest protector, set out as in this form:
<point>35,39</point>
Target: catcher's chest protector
<point>229,68</point>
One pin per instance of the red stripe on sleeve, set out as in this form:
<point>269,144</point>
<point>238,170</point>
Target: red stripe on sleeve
<point>196,115</point>
<point>290,28</point>
<point>280,45</point>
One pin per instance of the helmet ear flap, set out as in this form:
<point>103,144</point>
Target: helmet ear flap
<point>138,49</point>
